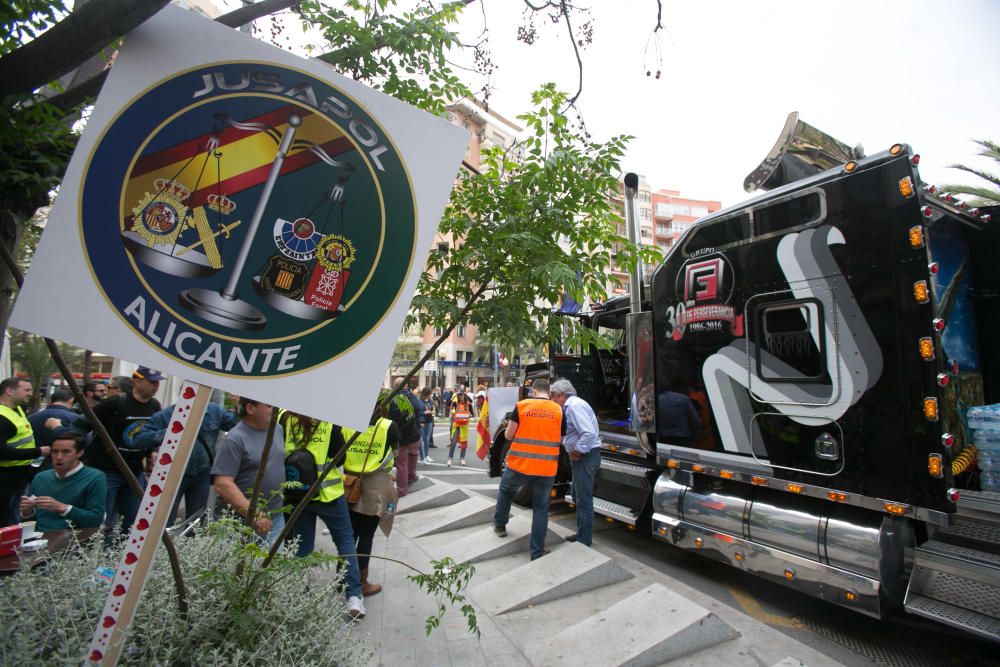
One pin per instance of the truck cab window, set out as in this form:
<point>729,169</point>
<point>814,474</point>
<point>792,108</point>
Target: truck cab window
<point>788,335</point>
<point>801,211</point>
<point>718,234</point>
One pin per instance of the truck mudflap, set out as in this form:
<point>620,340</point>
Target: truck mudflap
<point>956,573</point>
<point>847,556</point>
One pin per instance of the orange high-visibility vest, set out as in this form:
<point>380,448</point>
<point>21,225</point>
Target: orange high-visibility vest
<point>535,447</point>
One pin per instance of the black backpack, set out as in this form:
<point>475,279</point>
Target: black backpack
<point>300,468</point>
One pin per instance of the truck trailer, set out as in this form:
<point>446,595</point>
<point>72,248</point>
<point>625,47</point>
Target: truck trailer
<point>829,335</point>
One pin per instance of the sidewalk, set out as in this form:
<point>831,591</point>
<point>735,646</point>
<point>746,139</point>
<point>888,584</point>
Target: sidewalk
<point>575,606</point>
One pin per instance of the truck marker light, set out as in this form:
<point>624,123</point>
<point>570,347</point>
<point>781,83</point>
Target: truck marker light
<point>893,508</point>
<point>953,495</point>
<point>948,439</point>
<point>850,596</point>
<point>906,186</point>
<point>790,574</point>
<point>739,556</point>
<point>931,189</point>
<point>758,481</point>
<point>673,463</point>
<point>661,530</point>
<point>933,268</point>
<point>795,488</point>
<point>943,379</point>
<point>850,166</point>
<point>552,493</point>
<point>926,349</point>
<point>920,291</point>
<point>962,205</point>
<point>727,474</point>
<point>632,452</point>
<point>915,160</point>
<point>609,519</point>
<point>697,467</point>
<point>612,448</point>
<point>948,197</point>
<point>987,218</point>
<point>931,408</point>
<point>927,211</point>
<point>938,323</point>
<point>837,496</point>
<point>698,542</point>
<point>630,526</point>
<point>975,211</point>
<point>896,149</point>
<point>916,237</point>
<point>935,465</point>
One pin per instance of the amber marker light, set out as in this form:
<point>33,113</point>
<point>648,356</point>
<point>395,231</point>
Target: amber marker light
<point>850,166</point>
<point>661,530</point>
<point>790,574</point>
<point>931,408</point>
<point>920,291</point>
<point>673,463</point>
<point>906,187</point>
<point>935,465</point>
<point>758,481</point>
<point>727,474</point>
<point>893,508</point>
<point>916,236</point>
<point>926,349</point>
<point>850,596</point>
<point>795,488</point>
<point>837,496</point>
<point>697,467</point>
<point>896,149</point>
<point>698,542</point>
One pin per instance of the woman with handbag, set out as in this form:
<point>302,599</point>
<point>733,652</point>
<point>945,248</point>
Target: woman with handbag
<point>370,489</point>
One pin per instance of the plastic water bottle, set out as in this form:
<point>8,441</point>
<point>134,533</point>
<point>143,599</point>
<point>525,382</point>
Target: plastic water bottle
<point>390,508</point>
<point>988,444</point>
<point>984,417</point>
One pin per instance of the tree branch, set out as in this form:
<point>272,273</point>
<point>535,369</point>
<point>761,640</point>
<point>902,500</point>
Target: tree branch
<point>71,41</point>
<point>243,15</point>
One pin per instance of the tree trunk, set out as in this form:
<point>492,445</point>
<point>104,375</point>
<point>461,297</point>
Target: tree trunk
<point>87,356</point>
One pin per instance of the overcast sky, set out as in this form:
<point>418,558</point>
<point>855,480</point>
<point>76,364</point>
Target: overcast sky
<point>873,72</point>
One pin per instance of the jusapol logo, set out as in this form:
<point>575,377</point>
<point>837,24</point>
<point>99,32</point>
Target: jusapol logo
<point>706,287</point>
<point>248,219</point>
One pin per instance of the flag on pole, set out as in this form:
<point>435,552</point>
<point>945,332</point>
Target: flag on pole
<point>483,439</point>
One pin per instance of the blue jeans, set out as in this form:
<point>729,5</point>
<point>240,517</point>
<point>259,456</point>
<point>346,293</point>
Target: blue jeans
<point>584,473</point>
<point>338,520</point>
<point>194,490</point>
<point>277,525</point>
<point>121,502</point>
<point>426,439</point>
<point>541,487</point>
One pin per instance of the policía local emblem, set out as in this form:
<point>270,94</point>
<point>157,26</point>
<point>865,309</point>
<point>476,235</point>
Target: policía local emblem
<point>261,217</point>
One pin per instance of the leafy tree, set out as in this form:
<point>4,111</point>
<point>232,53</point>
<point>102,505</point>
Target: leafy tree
<point>981,195</point>
<point>531,228</point>
<point>30,356</point>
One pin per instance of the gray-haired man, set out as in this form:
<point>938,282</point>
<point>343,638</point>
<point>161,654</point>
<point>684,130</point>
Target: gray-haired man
<point>583,444</point>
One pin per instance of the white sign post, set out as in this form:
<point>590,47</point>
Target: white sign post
<point>245,219</point>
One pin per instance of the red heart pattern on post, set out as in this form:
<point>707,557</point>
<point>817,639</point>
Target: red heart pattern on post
<point>153,497</point>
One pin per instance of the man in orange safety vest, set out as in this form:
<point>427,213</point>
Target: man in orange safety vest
<point>535,431</point>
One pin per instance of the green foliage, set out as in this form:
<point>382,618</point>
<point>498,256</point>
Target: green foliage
<point>446,584</point>
<point>286,614</point>
<point>23,20</point>
<point>401,53</point>
<point>537,222</point>
<point>30,356</point>
<point>981,196</point>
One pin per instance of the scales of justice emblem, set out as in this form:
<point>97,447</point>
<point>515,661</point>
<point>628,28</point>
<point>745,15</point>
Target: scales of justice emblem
<point>306,278</point>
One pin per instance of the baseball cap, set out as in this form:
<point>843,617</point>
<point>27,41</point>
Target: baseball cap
<point>147,373</point>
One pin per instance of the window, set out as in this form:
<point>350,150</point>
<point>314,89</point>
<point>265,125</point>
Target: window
<point>461,330</point>
<point>718,234</point>
<point>438,332</point>
<point>788,214</point>
<point>663,210</point>
<point>644,196</point>
<point>786,341</point>
<point>645,214</point>
<point>663,230</point>
<point>442,248</point>
<point>699,211</point>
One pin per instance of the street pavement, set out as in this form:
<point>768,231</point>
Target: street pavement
<point>576,606</point>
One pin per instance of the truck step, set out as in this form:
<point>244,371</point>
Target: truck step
<point>981,505</point>
<point>622,513</point>
<point>978,534</point>
<point>956,585</point>
<point>625,468</point>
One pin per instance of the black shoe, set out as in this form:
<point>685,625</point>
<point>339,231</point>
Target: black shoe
<point>433,446</point>
<point>501,531</point>
<point>572,538</point>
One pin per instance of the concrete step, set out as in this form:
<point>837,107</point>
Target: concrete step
<point>436,495</point>
<point>650,627</point>
<point>569,570</point>
<point>484,544</point>
<point>471,511</point>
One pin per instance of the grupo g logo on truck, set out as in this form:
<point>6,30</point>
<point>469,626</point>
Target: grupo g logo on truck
<point>705,288</point>
<point>248,219</point>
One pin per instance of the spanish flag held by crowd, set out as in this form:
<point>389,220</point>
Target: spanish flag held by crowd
<point>483,439</point>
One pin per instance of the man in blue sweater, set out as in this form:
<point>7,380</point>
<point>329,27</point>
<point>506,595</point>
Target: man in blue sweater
<point>69,493</point>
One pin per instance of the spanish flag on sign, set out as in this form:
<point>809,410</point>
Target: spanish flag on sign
<point>483,439</point>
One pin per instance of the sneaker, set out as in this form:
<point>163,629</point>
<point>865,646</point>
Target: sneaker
<point>449,463</point>
<point>501,531</point>
<point>428,460</point>
<point>356,607</point>
<point>463,462</point>
<point>420,461</point>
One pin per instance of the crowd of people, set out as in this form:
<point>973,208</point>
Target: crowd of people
<point>55,470</point>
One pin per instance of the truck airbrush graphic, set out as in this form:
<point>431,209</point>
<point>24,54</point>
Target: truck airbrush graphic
<point>831,334</point>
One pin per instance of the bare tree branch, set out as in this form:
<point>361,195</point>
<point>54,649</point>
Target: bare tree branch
<point>71,41</point>
<point>243,15</point>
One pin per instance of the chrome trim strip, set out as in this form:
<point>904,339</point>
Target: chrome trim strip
<point>625,468</point>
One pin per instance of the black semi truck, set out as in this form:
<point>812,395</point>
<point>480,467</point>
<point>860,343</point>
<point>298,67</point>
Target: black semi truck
<point>829,335</point>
